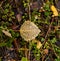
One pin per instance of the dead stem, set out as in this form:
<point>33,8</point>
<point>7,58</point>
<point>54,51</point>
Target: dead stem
<point>16,45</point>
<point>30,20</point>
<point>29,9</point>
<point>51,47</point>
<point>43,57</point>
<point>46,37</point>
<point>26,52</point>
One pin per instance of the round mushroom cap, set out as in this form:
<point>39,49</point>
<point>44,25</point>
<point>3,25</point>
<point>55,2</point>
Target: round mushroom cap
<point>29,31</point>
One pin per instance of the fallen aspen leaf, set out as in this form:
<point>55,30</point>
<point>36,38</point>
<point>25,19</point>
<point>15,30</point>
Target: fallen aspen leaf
<point>29,31</point>
<point>54,10</point>
<point>7,33</point>
<point>39,45</point>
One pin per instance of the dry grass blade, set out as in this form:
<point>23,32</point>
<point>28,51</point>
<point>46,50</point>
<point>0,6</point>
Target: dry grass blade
<point>7,33</point>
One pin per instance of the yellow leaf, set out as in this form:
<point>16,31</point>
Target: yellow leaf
<point>54,10</point>
<point>39,44</point>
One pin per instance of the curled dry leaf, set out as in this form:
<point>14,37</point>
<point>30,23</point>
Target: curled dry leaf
<point>39,45</point>
<point>7,33</point>
<point>29,31</point>
<point>18,16</point>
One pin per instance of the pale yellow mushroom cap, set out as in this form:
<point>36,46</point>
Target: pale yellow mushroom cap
<point>29,31</point>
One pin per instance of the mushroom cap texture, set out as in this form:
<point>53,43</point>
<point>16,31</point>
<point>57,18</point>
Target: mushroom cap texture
<point>29,31</point>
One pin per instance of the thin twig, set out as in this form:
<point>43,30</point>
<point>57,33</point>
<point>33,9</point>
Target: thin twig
<point>29,20</point>
<point>26,52</point>
<point>16,45</point>
<point>46,37</point>
<point>52,48</point>
<point>29,9</point>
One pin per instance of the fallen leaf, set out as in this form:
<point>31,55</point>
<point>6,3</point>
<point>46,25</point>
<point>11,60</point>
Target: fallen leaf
<point>7,33</point>
<point>39,44</point>
<point>54,10</point>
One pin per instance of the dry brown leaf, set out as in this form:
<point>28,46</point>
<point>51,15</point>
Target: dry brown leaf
<point>7,33</point>
<point>18,16</point>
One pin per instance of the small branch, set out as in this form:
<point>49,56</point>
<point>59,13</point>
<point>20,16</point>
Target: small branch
<point>29,9</point>
<point>51,47</point>
<point>43,57</point>
<point>46,37</point>
<point>16,45</point>
<point>26,52</point>
<point>29,20</point>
